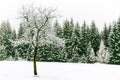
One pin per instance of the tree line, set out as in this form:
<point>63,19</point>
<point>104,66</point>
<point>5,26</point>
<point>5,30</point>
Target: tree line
<point>82,43</point>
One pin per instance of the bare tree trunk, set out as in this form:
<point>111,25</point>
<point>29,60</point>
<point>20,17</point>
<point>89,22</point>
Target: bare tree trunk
<point>35,53</point>
<point>34,61</point>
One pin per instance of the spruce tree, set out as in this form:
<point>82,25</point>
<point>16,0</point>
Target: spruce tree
<point>7,38</point>
<point>77,29</point>
<point>58,29</point>
<point>20,31</point>
<point>84,39</point>
<point>103,53</point>
<point>67,29</point>
<point>95,37</point>
<point>114,43</point>
<point>75,42</point>
<point>14,35</point>
<point>105,35</point>
<point>67,34</point>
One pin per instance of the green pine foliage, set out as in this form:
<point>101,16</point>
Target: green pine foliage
<point>114,43</point>
<point>84,39</point>
<point>50,53</point>
<point>7,35</point>
<point>20,32</point>
<point>105,35</point>
<point>75,43</point>
<point>24,51</point>
<point>58,29</point>
<point>95,37</point>
<point>67,29</point>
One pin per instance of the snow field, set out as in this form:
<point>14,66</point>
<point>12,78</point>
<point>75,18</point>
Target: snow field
<point>23,70</point>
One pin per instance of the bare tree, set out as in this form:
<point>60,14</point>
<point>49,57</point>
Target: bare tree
<point>37,28</point>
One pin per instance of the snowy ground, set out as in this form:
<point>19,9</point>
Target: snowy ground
<point>23,70</point>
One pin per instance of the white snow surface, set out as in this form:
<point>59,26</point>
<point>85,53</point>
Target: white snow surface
<point>23,70</point>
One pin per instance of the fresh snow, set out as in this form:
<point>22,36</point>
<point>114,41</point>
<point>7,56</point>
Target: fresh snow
<point>23,70</point>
